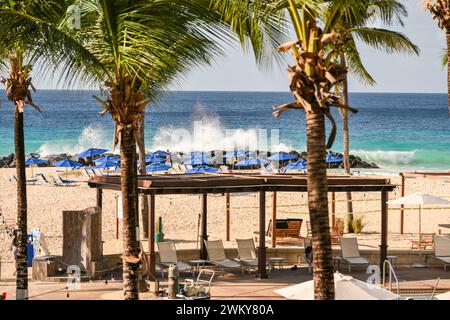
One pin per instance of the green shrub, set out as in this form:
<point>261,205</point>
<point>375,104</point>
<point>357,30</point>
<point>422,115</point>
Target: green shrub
<point>358,224</point>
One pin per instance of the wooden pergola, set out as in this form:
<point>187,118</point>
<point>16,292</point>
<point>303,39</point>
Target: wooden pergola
<point>204,184</point>
<point>442,176</point>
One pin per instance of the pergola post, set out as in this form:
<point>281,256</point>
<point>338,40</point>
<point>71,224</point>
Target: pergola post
<point>151,233</point>
<point>384,227</point>
<point>99,198</point>
<point>274,220</point>
<point>204,226</point>
<point>262,274</point>
<point>333,210</point>
<point>402,207</point>
<point>228,218</point>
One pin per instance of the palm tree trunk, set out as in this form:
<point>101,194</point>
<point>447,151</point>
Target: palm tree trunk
<point>22,257</point>
<point>129,203</point>
<point>447,34</point>
<point>143,171</point>
<point>346,143</point>
<point>318,205</point>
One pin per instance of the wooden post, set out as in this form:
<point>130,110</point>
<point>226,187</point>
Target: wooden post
<point>402,207</point>
<point>228,204</point>
<point>333,210</point>
<point>151,232</point>
<point>204,226</point>
<point>274,221</point>
<point>262,274</point>
<point>384,227</point>
<point>99,198</point>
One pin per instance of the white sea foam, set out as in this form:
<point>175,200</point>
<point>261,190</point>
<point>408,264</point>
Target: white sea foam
<point>207,132</point>
<point>386,158</point>
<point>92,136</point>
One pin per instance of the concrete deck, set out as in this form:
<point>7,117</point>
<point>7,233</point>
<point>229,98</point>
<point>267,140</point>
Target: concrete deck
<point>231,286</point>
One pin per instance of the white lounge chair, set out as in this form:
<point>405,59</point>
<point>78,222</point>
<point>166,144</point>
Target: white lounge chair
<point>168,256</point>
<point>247,254</point>
<point>350,253</point>
<point>65,183</point>
<point>216,256</point>
<point>224,169</point>
<point>442,250</point>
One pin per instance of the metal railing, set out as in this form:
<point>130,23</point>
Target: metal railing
<point>392,274</point>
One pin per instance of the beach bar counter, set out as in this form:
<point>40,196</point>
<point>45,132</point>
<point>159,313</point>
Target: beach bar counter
<point>204,184</point>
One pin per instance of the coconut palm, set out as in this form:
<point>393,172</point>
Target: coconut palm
<point>312,77</point>
<point>350,19</point>
<point>134,49</point>
<point>440,11</point>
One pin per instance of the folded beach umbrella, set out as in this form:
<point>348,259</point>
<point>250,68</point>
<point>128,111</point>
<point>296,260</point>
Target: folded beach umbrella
<point>298,165</point>
<point>282,156</point>
<point>202,169</point>
<point>419,199</point>
<point>154,159</point>
<point>91,152</point>
<point>251,162</point>
<point>346,288</point>
<point>107,158</point>
<point>155,167</point>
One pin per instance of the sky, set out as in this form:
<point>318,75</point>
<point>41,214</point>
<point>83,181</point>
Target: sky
<point>237,70</point>
<point>393,73</point>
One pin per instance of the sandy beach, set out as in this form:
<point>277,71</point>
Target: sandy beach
<point>180,213</point>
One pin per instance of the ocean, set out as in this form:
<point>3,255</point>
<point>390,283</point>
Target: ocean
<point>396,131</point>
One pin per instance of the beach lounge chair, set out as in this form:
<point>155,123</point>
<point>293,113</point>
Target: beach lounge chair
<point>335,234</point>
<point>350,253</point>
<point>224,169</point>
<point>65,183</point>
<point>426,242</point>
<point>442,250</point>
<point>307,257</point>
<point>217,257</point>
<point>13,178</point>
<point>286,229</point>
<point>247,254</point>
<point>168,256</point>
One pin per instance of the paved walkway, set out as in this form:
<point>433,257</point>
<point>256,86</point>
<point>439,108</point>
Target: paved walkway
<point>228,286</point>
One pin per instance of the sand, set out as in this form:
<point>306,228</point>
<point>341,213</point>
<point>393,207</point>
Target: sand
<point>180,213</point>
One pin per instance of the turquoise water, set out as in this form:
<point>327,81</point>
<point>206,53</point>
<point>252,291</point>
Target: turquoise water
<point>397,131</point>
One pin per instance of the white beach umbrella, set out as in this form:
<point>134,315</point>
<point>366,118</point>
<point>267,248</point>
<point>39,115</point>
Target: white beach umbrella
<point>419,199</point>
<point>346,288</point>
<point>443,296</point>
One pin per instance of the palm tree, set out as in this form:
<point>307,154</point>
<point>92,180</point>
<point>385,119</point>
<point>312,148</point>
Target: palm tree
<point>440,11</point>
<point>312,77</point>
<point>350,19</point>
<point>134,48</point>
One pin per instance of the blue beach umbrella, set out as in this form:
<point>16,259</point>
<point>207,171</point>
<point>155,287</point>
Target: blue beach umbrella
<point>235,154</point>
<point>155,167</point>
<point>282,156</point>
<point>91,152</point>
<point>251,162</point>
<point>202,169</point>
<point>198,158</point>
<point>107,165</point>
<point>160,153</point>
<point>31,161</point>
<point>66,163</point>
<point>107,158</point>
<point>298,165</point>
<point>332,159</point>
<point>154,159</point>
